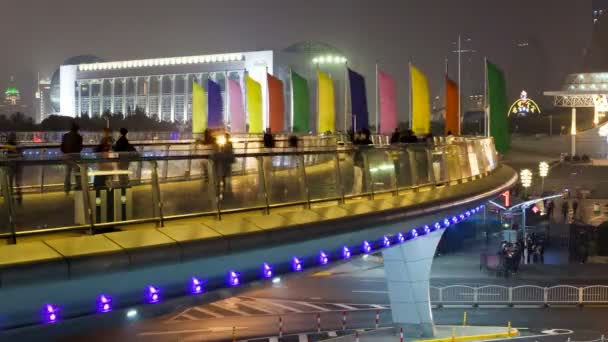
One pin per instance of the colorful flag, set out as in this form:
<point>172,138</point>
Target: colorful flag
<point>421,102</point>
<point>388,103</point>
<point>199,108</point>
<point>238,122</point>
<point>452,120</point>
<point>326,102</point>
<point>254,105</point>
<point>498,108</point>
<point>276,104</point>
<point>358,101</point>
<point>215,105</point>
<point>300,104</point>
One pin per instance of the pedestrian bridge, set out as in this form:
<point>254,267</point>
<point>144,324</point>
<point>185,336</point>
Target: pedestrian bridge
<point>186,233</point>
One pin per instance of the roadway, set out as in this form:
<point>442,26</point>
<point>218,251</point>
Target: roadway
<point>357,288</point>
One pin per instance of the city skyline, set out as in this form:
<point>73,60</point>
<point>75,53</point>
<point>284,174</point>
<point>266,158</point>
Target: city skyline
<point>420,32</point>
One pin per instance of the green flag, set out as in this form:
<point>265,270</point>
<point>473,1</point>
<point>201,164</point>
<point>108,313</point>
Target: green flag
<point>498,108</point>
<point>300,104</point>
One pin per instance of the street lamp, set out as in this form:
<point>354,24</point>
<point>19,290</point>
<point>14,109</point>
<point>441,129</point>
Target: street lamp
<point>543,171</point>
<point>526,180</point>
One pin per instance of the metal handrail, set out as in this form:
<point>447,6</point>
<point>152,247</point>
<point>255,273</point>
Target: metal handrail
<point>85,159</point>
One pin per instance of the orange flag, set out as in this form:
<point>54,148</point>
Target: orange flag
<point>276,105</point>
<point>452,121</point>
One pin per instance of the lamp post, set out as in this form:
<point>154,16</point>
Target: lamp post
<point>543,171</point>
<point>526,181</point>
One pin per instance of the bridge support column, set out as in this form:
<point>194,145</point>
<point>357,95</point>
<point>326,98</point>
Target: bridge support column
<point>408,268</point>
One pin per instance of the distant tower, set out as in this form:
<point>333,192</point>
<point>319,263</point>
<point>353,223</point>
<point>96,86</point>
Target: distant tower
<point>12,97</point>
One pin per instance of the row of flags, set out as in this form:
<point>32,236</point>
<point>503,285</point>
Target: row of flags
<point>208,106</point>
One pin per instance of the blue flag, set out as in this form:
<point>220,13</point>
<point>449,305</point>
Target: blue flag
<point>358,101</point>
<point>215,105</point>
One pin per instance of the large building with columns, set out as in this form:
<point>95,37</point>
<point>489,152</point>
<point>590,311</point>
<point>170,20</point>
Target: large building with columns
<point>160,87</point>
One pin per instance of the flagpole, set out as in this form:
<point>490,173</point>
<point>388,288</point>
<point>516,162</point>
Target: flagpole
<point>246,104</point>
<point>267,102</point>
<point>318,111</point>
<point>459,80</point>
<point>410,96</point>
<point>445,115</point>
<point>291,98</point>
<point>485,97</point>
<point>345,95</point>
<point>227,121</point>
<point>377,101</point>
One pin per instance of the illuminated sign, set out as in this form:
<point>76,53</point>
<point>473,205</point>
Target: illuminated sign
<point>524,106</point>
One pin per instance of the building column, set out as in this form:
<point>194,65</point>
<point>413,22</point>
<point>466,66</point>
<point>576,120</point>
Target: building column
<point>90,109</point>
<point>172,98</point>
<point>135,96</point>
<point>407,270</point>
<point>112,89</point>
<point>186,77</point>
<point>101,97</point>
<point>160,98</point>
<point>147,89</point>
<point>573,132</point>
<point>124,96</point>
<point>79,103</point>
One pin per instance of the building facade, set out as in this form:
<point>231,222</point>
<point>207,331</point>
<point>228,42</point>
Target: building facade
<point>160,87</point>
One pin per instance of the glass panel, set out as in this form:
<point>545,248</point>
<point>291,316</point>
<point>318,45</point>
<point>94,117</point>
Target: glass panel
<point>322,177</point>
<point>351,172</point>
<point>244,187</point>
<point>194,195</point>
<point>419,164</point>
<point>381,170</point>
<point>284,179</point>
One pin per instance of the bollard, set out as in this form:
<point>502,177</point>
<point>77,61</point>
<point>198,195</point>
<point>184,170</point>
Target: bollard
<point>602,338</point>
<point>319,323</point>
<point>344,320</point>
<point>357,336</point>
<point>377,318</point>
<point>464,319</point>
<point>233,334</point>
<point>280,326</point>
<point>401,335</point>
<point>509,329</point>
<point>453,334</point>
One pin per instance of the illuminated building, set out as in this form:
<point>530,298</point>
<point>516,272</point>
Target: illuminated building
<point>43,100</point>
<point>12,99</point>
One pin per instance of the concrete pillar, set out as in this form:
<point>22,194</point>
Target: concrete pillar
<point>408,269</point>
<point>136,95</point>
<point>90,109</point>
<point>186,77</point>
<point>172,98</point>
<point>573,132</point>
<point>147,84</point>
<point>160,98</point>
<point>124,96</point>
<point>79,106</point>
<point>101,96</point>
<point>112,95</point>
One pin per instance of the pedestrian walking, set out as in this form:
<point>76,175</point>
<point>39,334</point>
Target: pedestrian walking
<point>71,146</point>
<point>574,209</point>
<point>565,210</point>
<point>124,148</point>
<point>15,170</point>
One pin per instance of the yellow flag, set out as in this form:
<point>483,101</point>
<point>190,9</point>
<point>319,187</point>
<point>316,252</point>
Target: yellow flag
<point>254,105</point>
<point>199,109</point>
<point>326,103</point>
<point>421,102</point>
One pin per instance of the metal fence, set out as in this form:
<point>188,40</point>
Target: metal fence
<point>522,295</point>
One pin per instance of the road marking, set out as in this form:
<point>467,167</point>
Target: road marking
<point>347,307</point>
<point>207,312</point>
<point>257,308</point>
<point>238,312</point>
<point>332,334</point>
<point>190,331</point>
<point>315,298</point>
<point>368,291</point>
<point>277,304</point>
<point>273,339</point>
<point>312,306</point>
<point>322,274</point>
<point>303,338</point>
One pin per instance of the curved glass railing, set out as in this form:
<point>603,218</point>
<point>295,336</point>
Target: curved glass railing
<point>101,191</point>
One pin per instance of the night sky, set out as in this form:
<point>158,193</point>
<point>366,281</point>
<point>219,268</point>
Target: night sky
<point>40,35</point>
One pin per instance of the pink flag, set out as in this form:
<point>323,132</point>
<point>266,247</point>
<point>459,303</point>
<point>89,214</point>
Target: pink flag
<point>388,103</point>
<point>237,112</point>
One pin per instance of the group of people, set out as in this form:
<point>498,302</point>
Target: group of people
<point>408,137</point>
<point>512,254</point>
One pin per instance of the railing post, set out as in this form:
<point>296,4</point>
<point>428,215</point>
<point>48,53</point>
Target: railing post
<point>304,180</point>
<point>476,296</point>
<point>189,161</point>
<point>86,199</point>
<point>262,175</point>
<point>339,185</point>
<point>367,174</point>
<point>510,296</point>
<point>431,165</point>
<point>43,153</point>
<point>166,163</point>
<point>413,169</point>
<point>139,165</point>
<point>441,295</point>
<point>157,203</point>
<point>7,193</point>
<point>546,296</point>
<point>580,296</point>
<point>215,184</point>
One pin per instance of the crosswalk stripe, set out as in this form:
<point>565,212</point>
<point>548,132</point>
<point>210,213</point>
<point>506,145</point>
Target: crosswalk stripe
<point>277,304</point>
<point>236,311</point>
<point>344,306</point>
<point>257,308</point>
<point>207,312</point>
<point>312,306</point>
